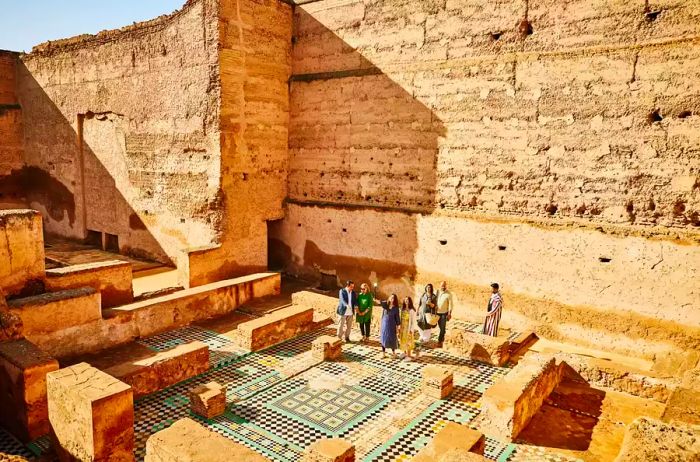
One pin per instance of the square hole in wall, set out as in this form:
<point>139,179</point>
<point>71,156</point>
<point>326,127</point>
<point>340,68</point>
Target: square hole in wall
<point>111,243</point>
<point>94,238</point>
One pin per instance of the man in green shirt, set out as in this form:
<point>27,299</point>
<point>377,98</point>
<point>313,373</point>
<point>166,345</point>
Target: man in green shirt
<point>365,302</point>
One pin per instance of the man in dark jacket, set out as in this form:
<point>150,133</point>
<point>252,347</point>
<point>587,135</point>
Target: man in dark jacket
<point>347,304</point>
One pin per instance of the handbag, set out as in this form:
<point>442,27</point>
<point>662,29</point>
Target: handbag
<point>432,319</point>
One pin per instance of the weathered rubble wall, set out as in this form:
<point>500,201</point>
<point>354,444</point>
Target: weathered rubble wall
<point>255,65</point>
<point>11,146</point>
<point>551,146</point>
<point>121,132</point>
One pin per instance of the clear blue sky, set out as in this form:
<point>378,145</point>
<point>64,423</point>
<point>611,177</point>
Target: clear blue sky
<point>25,23</point>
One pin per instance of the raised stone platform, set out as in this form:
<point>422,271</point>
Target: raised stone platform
<point>91,414</point>
<point>509,404</point>
<point>52,311</point>
<point>113,279</point>
<point>329,450</point>
<point>453,437</point>
<point>274,328</point>
<point>187,441</point>
<point>651,440</point>
<point>124,324</point>
<point>150,372</point>
<point>23,369</point>
<point>484,348</point>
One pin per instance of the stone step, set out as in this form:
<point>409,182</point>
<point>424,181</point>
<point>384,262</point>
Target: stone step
<point>274,328</point>
<point>112,279</point>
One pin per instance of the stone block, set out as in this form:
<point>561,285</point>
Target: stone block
<point>163,369</point>
<point>326,347</point>
<point>509,404</point>
<point>23,369</point>
<point>484,348</point>
<point>329,450</point>
<point>437,382</point>
<point>683,407</point>
<point>54,311</point>
<point>21,252</point>
<point>11,458</point>
<point>651,440</point>
<point>91,414</point>
<point>208,400</point>
<point>453,437</point>
<point>113,279</point>
<point>187,441</point>
<point>274,328</point>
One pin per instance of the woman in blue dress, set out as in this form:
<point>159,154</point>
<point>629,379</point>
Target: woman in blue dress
<point>391,320</point>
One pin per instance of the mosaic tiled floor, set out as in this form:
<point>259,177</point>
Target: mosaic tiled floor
<point>280,401</point>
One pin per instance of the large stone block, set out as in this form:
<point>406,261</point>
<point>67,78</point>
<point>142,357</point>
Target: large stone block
<point>91,414</point>
<point>651,440</point>
<point>329,450</point>
<point>21,252</point>
<point>113,279</point>
<point>187,441</point>
<point>23,369</point>
<point>437,382</point>
<point>208,400</point>
<point>484,348</point>
<point>274,328</point>
<point>683,407</point>
<point>453,437</point>
<point>508,405</point>
<point>326,347</point>
<point>160,370</point>
<point>53,311</point>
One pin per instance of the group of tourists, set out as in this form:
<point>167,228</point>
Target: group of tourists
<point>404,326</point>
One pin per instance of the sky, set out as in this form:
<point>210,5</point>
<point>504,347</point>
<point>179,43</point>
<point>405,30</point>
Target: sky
<point>25,23</point>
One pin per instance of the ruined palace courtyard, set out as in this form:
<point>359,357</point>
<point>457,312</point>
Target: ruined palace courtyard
<point>186,204</point>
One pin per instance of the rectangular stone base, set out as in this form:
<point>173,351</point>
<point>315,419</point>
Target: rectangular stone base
<point>452,438</point>
<point>208,400</point>
<point>510,403</point>
<point>329,450</point>
<point>187,441</point>
<point>274,328</point>
<point>326,347</point>
<point>483,348</point>
<point>163,369</point>
<point>437,382</point>
<point>91,414</point>
<point>23,369</point>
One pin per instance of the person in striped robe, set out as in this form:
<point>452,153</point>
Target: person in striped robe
<point>493,316</point>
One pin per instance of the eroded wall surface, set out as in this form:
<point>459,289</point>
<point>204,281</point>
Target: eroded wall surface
<point>255,65</point>
<point>123,135</point>
<point>11,145</point>
<point>549,145</point>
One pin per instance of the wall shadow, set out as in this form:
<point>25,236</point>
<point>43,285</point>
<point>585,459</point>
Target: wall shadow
<point>361,143</point>
<point>66,181</point>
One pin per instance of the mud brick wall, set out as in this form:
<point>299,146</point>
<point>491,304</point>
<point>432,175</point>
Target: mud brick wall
<point>549,145</point>
<point>255,65</point>
<point>123,133</point>
<point>11,145</point>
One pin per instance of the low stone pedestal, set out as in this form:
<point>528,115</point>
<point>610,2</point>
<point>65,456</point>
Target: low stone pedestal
<point>23,369</point>
<point>509,404</point>
<point>326,347</point>
<point>438,382</point>
<point>208,400</point>
<point>274,328</point>
<point>187,441</point>
<point>453,437</point>
<point>483,348</point>
<point>91,414</point>
<point>648,439</point>
<point>329,450</point>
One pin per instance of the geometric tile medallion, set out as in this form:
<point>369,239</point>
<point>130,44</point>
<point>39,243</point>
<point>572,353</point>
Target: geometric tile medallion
<point>329,411</point>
